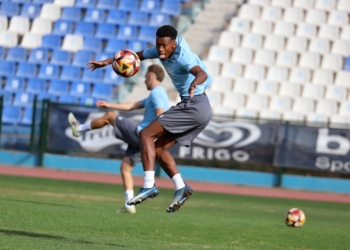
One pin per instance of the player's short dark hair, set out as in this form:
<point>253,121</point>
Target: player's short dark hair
<point>167,31</point>
<point>157,70</point>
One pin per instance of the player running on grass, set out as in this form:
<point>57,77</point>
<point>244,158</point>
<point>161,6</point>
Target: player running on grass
<point>155,104</point>
<point>181,123</point>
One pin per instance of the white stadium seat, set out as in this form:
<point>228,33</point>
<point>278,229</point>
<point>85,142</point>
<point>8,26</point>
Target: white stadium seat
<point>64,2</point>
<point>269,88</point>
<point>3,23</point>
<point>244,86</point>
<point>232,70</point>
<point>274,42</point>
<point>297,44</point>
<point>50,11</point>
<point>246,113</point>
<point>41,26</point>
<point>264,57</point>
<point>233,100</point>
<point>257,102</point>
<point>223,110</point>
<point>326,107</point>
<point>343,5</point>
<point>332,62</point>
<point>316,119</point>
<point>277,73</point>
<point>339,18</point>
<point>343,78</point>
<point>249,11</point>
<point>73,43</point>
<point>325,4</point>
<point>31,40</point>
<point>306,30</point>
<point>284,28</point>
<point>8,38</point>
<point>335,92</point>
<point>271,13</point>
<point>304,4</point>
<point>345,33</point>
<point>319,45</point>
<point>19,25</point>
<point>303,105</point>
<point>328,31</point>
<point>254,72</point>
<point>262,27</point>
<point>313,91</point>
<point>242,55</point>
<point>300,75</point>
<point>315,16</point>
<point>339,121</point>
<point>252,41</point>
<point>310,60</point>
<point>282,3</point>
<point>212,67</point>
<point>267,115</point>
<point>290,89</point>
<point>287,59</point>
<point>323,77</point>
<point>219,54</point>
<point>215,98</point>
<point>280,103</point>
<point>259,2</point>
<point>344,108</point>
<point>293,117</point>
<point>293,15</point>
<point>229,39</point>
<point>239,25</point>
<point>341,47</point>
<point>221,84</point>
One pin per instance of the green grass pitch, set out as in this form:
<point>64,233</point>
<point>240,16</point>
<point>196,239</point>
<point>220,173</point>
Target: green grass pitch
<point>54,214</point>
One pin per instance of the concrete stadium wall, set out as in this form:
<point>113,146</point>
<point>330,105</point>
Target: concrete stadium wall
<point>237,177</point>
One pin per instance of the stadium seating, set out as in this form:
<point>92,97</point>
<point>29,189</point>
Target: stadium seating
<point>11,114</point>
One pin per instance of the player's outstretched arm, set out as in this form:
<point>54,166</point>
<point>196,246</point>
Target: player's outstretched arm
<point>128,106</point>
<point>200,77</point>
<point>92,65</point>
<point>140,54</point>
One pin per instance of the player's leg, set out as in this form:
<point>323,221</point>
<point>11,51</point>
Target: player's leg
<point>128,182</point>
<point>77,128</point>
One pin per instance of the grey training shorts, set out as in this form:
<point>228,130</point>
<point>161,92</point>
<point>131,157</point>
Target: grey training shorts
<point>187,119</point>
<point>126,131</point>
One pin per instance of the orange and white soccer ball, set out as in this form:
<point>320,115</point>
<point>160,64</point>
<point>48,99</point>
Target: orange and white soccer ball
<point>295,217</point>
<point>126,63</point>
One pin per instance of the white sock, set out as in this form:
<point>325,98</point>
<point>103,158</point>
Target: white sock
<point>178,181</point>
<point>84,127</point>
<point>129,194</point>
<point>148,179</point>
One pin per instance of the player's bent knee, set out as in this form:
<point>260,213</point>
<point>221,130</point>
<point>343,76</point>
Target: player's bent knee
<point>110,117</point>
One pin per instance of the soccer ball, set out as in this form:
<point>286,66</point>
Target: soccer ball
<point>295,218</point>
<point>126,63</point>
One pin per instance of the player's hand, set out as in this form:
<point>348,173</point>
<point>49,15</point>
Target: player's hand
<point>92,65</point>
<point>191,90</point>
<point>102,104</point>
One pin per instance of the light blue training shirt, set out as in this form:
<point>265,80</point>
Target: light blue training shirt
<point>178,66</point>
<point>158,98</point>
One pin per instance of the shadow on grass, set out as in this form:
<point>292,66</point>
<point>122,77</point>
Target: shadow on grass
<point>40,203</point>
<point>51,237</point>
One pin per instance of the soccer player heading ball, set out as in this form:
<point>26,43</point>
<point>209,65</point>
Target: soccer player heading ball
<point>181,123</point>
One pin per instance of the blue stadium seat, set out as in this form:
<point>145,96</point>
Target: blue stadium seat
<point>42,1</point>
<point>111,77</point>
<point>92,76</point>
<point>80,88</point>
<point>9,9</point>
<point>116,16</point>
<point>58,87</point>
<point>148,34</point>
<point>39,55</point>
<point>92,44</point>
<point>70,73</point>
<point>106,30</point>
<point>102,91</point>
<point>61,57</point>
<point>66,98</point>
<point>31,10</point>
<point>7,97</point>
<point>43,96</point>
<point>36,85</point>
<point>27,116</point>
<point>128,5</point>
<point>71,14</point>
<point>138,17</point>
<point>127,32</point>
<point>48,71</point>
<point>347,63</point>
<point>2,53</point>
<point>171,7</point>
<point>103,56</point>
<point>88,101</point>
<point>14,83</point>
<point>7,68</point>
<point>85,3</point>
<point>81,58</point>
<point>16,54</point>
<point>51,42</point>
<point>62,27</point>
<point>27,69</point>
<point>85,29</point>
<point>107,4</point>
<point>21,1</point>
<point>159,19</point>
<point>137,45</point>
<point>114,45</point>
<point>94,15</point>
<point>23,99</point>
<point>11,114</point>
<point>150,5</point>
